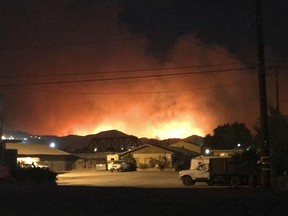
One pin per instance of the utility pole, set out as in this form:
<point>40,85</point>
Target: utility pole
<point>265,150</point>
<point>2,144</point>
<point>277,92</point>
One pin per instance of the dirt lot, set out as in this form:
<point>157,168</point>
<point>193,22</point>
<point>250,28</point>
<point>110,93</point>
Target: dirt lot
<point>137,201</point>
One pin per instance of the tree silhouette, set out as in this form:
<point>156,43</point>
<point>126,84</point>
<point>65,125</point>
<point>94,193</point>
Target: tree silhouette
<point>129,159</point>
<point>228,136</point>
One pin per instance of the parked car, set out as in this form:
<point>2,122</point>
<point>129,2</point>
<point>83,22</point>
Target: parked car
<point>119,166</point>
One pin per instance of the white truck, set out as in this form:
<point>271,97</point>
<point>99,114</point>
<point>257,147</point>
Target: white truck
<point>213,169</point>
<point>119,166</point>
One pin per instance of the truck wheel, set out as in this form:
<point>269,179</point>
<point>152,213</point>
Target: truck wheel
<point>235,181</point>
<point>187,181</point>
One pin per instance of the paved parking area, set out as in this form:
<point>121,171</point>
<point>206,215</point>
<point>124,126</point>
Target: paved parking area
<point>139,179</point>
<point>138,193</point>
<point>147,179</point>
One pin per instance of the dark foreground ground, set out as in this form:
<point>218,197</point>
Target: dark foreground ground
<point>73,200</point>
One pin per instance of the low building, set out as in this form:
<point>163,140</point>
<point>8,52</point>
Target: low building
<point>55,159</point>
<point>144,153</point>
<point>91,161</point>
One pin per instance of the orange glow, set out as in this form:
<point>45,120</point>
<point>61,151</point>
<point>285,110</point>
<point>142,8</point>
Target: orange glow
<point>73,80</point>
<point>165,131</point>
<point>175,129</point>
<point>173,107</point>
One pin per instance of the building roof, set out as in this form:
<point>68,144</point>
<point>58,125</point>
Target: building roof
<point>147,148</point>
<point>35,149</point>
<point>93,155</point>
<point>188,146</point>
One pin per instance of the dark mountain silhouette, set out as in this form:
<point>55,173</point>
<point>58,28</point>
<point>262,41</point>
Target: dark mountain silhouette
<point>75,143</point>
<point>110,133</point>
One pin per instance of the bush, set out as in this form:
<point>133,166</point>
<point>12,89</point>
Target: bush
<point>153,162</point>
<point>143,166</point>
<point>35,175</point>
<point>161,163</point>
<point>131,161</point>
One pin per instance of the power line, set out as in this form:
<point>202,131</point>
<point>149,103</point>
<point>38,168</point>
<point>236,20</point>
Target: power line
<point>162,92</point>
<point>132,70</point>
<point>147,92</point>
<point>126,78</point>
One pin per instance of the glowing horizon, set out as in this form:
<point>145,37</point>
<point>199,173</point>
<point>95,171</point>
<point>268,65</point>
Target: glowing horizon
<point>171,129</point>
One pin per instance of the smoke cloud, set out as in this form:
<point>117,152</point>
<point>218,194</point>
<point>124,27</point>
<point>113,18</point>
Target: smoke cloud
<point>81,72</point>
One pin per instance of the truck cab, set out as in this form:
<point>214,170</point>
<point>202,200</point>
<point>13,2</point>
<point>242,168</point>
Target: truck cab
<point>212,169</point>
<point>198,174</point>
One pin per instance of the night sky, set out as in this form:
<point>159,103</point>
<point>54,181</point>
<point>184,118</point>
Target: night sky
<point>156,69</point>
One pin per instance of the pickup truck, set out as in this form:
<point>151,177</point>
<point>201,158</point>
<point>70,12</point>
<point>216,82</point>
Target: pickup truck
<point>119,166</point>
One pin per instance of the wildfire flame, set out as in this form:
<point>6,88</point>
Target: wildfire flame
<point>80,89</point>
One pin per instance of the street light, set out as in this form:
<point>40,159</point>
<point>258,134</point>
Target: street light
<point>52,145</point>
